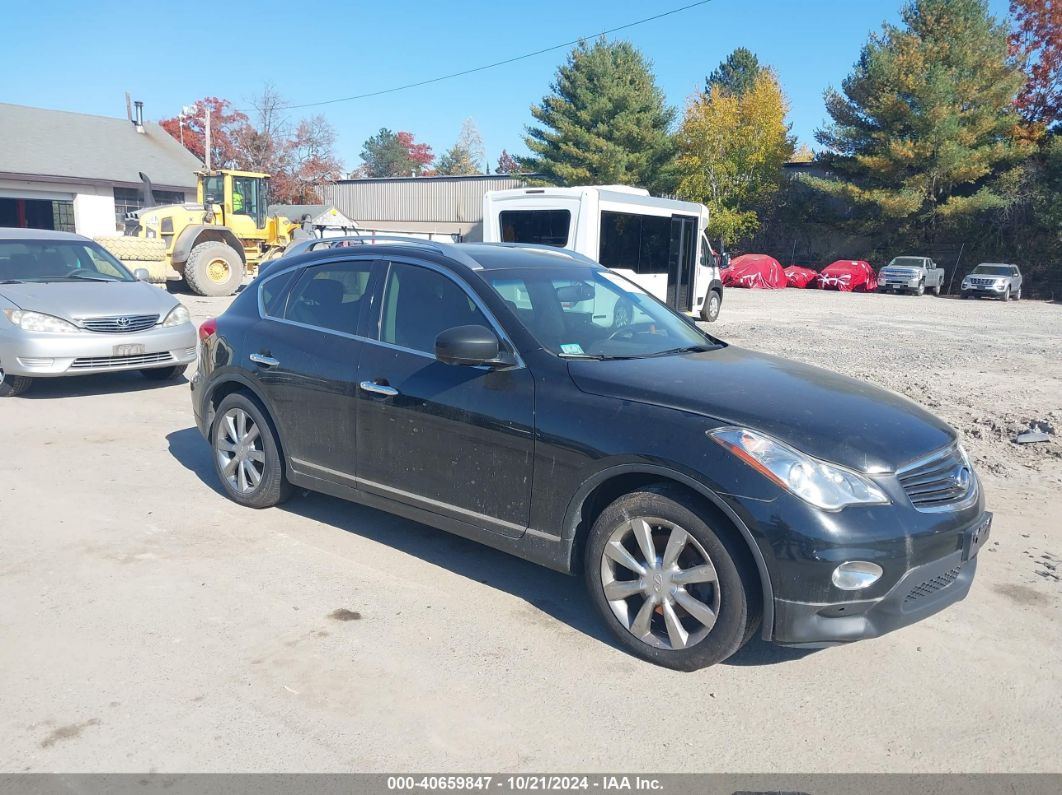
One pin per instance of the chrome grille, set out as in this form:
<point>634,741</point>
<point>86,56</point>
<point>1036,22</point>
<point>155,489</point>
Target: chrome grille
<point>88,363</point>
<point>983,282</point>
<point>939,480</point>
<point>120,324</point>
<point>934,585</point>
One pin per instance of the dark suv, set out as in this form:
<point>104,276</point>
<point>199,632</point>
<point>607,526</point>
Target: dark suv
<point>704,491</point>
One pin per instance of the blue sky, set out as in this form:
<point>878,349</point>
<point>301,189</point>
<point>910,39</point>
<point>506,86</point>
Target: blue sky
<point>83,56</point>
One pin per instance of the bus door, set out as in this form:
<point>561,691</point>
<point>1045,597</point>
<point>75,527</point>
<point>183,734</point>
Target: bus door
<point>682,260</point>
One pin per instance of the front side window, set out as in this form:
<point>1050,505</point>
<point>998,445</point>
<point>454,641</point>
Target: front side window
<point>546,227</point>
<point>213,188</point>
<point>51,261</point>
<point>419,304</point>
<point>596,314</point>
<point>327,296</point>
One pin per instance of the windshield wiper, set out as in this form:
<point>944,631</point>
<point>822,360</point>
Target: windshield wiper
<point>686,349</point>
<point>12,281</point>
<point>92,278</point>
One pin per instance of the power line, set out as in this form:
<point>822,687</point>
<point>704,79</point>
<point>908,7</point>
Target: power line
<point>498,63</point>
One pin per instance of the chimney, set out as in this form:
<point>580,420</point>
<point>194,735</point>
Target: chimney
<point>138,116</point>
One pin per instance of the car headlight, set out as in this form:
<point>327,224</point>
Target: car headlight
<point>177,316</point>
<point>37,321</point>
<point>824,485</point>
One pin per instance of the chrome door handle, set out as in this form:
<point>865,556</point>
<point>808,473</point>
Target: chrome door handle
<point>378,389</point>
<point>265,361</point>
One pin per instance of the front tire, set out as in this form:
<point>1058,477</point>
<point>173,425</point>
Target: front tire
<point>247,456</point>
<point>921,289</point>
<point>164,373</point>
<point>1006,295</point>
<point>14,385</point>
<point>214,269</point>
<point>712,304</point>
<point>668,579</point>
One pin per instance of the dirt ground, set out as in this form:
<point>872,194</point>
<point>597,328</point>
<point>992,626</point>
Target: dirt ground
<point>149,624</point>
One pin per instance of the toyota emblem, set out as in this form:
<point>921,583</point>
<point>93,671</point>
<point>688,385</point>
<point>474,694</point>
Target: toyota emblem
<point>123,322</point>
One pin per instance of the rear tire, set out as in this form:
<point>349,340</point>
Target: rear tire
<point>14,385</point>
<point>246,454</point>
<point>693,611</point>
<point>214,269</point>
<point>164,373</point>
<point>936,289</point>
<point>1017,295</point>
<point>712,304</point>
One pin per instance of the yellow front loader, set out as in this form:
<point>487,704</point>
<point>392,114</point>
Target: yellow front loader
<point>212,243</point>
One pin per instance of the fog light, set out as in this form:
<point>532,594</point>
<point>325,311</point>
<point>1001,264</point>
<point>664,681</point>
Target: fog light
<point>856,574</point>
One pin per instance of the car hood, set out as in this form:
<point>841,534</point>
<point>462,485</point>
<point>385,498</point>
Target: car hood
<point>77,300</point>
<point>824,414</point>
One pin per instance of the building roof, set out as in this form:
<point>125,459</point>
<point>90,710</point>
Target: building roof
<point>35,142</point>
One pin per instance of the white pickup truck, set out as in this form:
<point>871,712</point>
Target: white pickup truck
<point>911,275</point>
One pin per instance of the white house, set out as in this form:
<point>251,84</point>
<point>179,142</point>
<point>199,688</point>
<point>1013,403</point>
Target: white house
<point>80,173</point>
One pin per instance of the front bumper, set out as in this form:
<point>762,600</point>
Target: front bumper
<point>921,592</point>
<point>984,289</point>
<point>37,355</point>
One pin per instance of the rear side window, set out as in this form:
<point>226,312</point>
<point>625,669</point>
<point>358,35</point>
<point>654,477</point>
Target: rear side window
<point>327,296</point>
<point>274,293</point>
<point>419,304</point>
<point>547,227</point>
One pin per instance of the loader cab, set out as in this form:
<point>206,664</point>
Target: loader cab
<point>241,196</point>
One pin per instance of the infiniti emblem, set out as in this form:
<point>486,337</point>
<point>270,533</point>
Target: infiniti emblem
<point>962,478</point>
<point>123,322</point>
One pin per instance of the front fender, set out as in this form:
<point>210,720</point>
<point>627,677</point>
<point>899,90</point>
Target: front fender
<point>194,234</point>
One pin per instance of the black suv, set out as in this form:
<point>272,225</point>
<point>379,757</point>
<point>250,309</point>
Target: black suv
<point>537,402</point>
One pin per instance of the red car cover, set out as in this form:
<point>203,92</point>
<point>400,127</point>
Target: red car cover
<point>848,276</point>
<point>757,271</point>
<point>800,277</point>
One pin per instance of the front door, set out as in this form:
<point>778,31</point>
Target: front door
<point>453,440</point>
<point>307,362</point>
<point>682,260</point>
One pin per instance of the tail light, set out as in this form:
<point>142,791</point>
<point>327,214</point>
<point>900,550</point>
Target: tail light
<point>209,328</point>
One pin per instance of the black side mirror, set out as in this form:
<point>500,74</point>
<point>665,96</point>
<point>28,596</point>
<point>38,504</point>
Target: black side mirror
<point>469,345</point>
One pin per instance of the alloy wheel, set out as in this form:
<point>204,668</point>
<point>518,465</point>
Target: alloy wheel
<point>238,446</point>
<point>660,583</point>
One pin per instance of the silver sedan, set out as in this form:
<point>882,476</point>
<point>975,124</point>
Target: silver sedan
<point>68,307</point>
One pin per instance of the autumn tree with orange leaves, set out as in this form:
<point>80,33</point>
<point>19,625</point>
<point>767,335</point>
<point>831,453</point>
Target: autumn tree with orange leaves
<point>1036,39</point>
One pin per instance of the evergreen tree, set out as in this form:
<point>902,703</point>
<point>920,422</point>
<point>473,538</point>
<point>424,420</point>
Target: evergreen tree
<point>736,74</point>
<point>389,154</point>
<point>927,116</point>
<point>605,121</point>
<point>731,152</point>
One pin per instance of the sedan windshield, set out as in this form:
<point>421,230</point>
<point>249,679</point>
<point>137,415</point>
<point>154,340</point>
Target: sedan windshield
<point>590,313</point>
<point>58,260</point>
<point>994,270</point>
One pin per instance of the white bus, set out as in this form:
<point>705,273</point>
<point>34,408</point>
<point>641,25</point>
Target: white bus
<point>660,244</point>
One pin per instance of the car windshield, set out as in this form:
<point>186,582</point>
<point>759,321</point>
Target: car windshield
<point>993,270</point>
<point>58,261</point>
<point>907,262</point>
<point>591,313</point>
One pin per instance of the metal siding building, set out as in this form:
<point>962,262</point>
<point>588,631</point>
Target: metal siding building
<point>444,205</point>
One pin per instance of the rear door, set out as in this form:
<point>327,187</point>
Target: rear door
<point>306,360</point>
<point>453,440</point>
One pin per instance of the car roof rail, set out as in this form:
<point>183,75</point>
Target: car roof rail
<point>447,249</point>
<point>556,250</point>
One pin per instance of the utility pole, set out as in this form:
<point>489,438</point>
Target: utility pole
<point>206,127</point>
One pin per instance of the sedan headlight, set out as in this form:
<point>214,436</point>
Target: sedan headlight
<point>37,321</point>
<point>177,316</point>
<point>824,485</point>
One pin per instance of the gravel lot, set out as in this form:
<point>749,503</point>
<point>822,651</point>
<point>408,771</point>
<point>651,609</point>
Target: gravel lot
<point>149,624</point>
